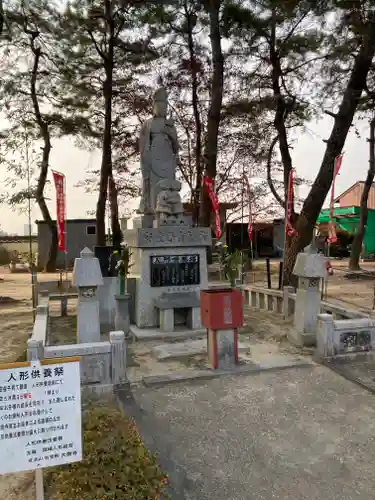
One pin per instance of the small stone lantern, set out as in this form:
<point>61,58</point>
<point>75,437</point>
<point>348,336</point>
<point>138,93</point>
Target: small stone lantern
<point>310,268</point>
<point>87,276</point>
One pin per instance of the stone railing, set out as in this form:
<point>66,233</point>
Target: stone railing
<point>336,337</point>
<point>55,286</point>
<point>40,331</point>
<point>102,364</point>
<point>339,312</point>
<point>283,302</point>
<point>277,301</point>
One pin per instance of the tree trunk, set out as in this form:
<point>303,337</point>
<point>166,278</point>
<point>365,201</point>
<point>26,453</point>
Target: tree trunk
<point>358,239</point>
<point>214,112</point>
<point>270,183</point>
<point>343,120</point>
<point>115,224</point>
<point>1,16</point>
<point>106,164</point>
<point>50,265</point>
<point>197,117</point>
<point>281,111</point>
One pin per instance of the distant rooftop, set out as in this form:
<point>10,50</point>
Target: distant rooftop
<point>353,186</point>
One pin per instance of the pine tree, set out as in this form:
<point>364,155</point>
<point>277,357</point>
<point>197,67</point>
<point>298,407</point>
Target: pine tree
<point>101,57</point>
<point>213,9</point>
<point>28,83</point>
<point>355,34</point>
<point>186,68</point>
<point>290,47</point>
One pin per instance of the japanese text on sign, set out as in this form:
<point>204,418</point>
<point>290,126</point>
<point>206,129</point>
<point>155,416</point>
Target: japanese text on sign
<point>40,415</point>
<point>175,270</point>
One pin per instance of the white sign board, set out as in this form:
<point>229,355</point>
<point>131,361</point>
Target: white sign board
<point>40,415</point>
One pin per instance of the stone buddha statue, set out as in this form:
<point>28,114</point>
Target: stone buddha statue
<point>158,146</point>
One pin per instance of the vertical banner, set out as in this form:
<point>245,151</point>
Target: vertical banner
<point>289,229</point>
<point>332,236</point>
<point>209,185</point>
<point>250,223</point>
<point>59,180</point>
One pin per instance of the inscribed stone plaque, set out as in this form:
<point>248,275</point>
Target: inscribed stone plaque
<point>355,340</point>
<point>40,415</point>
<point>175,270</point>
<point>168,237</point>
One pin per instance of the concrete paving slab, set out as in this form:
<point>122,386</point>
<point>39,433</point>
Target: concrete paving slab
<point>187,348</point>
<point>155,333</point>
<point>248,368</point>
<point>304,434</point>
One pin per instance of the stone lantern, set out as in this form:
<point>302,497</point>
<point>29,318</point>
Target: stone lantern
<point>310,268</point>
<point>87,276</point>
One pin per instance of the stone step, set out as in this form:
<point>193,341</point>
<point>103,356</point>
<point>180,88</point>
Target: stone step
<point>156,334</point>
<point>167,351</point>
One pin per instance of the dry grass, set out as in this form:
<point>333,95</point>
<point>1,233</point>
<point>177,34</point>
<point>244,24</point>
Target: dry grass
<point>116,464</point>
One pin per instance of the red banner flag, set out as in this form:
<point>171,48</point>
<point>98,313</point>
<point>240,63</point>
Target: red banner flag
<point>332,236</point>
<point>209,185</point>
<point>59,180</point>
<point>250,223</point>
<point>289,229</point>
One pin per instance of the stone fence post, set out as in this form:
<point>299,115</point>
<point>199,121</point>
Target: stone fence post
<point>35,350</point>
<point>287,309</point>
<point>42,310</point>
<point>64,305</point>
<point>118,357</point>
<point>325,338</point>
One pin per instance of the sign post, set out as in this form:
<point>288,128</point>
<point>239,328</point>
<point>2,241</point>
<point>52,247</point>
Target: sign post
<point>40,416</point>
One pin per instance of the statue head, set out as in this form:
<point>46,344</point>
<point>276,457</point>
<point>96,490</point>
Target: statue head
<point>160,102</point>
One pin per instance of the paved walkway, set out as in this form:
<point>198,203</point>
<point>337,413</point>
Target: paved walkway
<point>303,433</point>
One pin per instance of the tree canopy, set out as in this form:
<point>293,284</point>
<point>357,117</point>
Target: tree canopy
<point>244,79</point>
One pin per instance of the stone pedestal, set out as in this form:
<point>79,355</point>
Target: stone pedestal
<point>118,357</point>
<point>88,324</point>
<point>107,303</point>
<point>222,348</point>
<point>310,269</point>
<point>122,320</point>
<point>87,277</point>
<point>168,261</point>
<point>142,221</point>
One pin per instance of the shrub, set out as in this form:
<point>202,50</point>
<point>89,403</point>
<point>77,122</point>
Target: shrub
<point>116,464</point>
<point>5,256</point>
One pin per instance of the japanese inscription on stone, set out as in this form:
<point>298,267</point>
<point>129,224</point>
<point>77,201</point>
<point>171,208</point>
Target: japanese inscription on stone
<point>40,415</point>
<point>175,270</point>
<point>352,341</point>
<point>169,236</point>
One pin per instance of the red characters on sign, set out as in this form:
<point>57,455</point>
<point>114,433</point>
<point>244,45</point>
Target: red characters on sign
<point>59,180</point>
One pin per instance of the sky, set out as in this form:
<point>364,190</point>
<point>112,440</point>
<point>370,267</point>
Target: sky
<point>307,154</point>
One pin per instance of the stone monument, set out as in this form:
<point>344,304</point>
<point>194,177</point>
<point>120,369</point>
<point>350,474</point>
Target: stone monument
<point>169,264</point>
